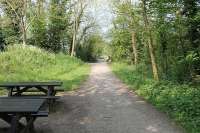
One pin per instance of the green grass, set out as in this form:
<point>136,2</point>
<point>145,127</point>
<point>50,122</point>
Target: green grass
<point>28,63</point>
<point>180,102</point>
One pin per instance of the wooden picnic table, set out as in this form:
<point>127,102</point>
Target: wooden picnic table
<point>17,88</point>
<point>13,109</point>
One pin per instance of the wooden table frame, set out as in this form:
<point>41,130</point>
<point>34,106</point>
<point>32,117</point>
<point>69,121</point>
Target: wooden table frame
<point>16,126</point>
<point>12,110</point>
<point>16,89</point>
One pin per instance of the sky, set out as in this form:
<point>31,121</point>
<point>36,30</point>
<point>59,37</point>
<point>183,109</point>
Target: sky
<point>102,13</point>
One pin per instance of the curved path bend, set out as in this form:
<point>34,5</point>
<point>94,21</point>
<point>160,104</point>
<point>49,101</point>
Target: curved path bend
<point>104,105</point>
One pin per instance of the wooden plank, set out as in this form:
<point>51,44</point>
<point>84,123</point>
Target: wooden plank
<point>36,90</point>
<point>27,89</point>
<point>15,124</point>
<point>16,105</point>
<point>41,114</point>
<point>59,89</point>
<point>30,84</point>
<point>35,97</point>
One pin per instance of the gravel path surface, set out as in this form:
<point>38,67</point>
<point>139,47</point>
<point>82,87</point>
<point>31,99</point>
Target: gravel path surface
<point>103,105</point>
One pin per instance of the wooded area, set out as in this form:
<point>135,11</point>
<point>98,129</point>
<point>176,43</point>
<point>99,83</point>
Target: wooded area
<point>158,35</point>
<point>55,25</point>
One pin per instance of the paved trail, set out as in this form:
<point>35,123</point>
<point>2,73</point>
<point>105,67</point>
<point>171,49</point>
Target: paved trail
<point>104,105</point>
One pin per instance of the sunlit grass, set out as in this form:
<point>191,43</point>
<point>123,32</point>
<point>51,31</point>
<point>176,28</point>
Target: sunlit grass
<point>28,63</point>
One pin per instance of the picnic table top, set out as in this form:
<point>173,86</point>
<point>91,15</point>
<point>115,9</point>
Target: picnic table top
<point>29,84</point>
<point>19,105</point>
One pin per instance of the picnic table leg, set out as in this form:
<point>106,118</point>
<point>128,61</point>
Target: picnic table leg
<point>7,118</point>
<point>14,124</point>
<point>50,91</point>
<point>30,125</point>
<point>18,92</point>
<point>10,91</point>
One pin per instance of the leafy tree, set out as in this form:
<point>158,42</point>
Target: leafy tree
<point>17,11</point>
<point>192,13</point>
<point>56,25</point>
<point>166,34</point>
<point>38,25</point>
<point>79,8</point>
<point>91,48</point>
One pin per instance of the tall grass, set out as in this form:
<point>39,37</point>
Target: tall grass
<point>181,102</point>
<point>28,63</point>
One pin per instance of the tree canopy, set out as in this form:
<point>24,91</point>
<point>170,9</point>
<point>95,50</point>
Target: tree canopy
<point>55,25</point>
<point>162,33</point>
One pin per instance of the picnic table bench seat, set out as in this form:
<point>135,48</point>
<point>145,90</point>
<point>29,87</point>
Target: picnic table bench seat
<point>35,97</point>
<point>35,90</point>
<point>41,114</point>
<point>14,109</point>
<point>50,100</point>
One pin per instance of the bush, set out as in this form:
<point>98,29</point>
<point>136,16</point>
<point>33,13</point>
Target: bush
<point>181,102</point>
<point>28,63</point>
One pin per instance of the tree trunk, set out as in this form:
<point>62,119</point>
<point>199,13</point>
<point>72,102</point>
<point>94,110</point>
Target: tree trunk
<point>75,30</point>
<point>74,39</point>
<point>24,38</point>
<point>40,6</point>
<point>23,23</point>
<point>153,60</point>
<point>134,48</point>
<point>150,41</point>
<point>78,14</point>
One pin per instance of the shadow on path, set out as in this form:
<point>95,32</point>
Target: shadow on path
<point>103,104</point>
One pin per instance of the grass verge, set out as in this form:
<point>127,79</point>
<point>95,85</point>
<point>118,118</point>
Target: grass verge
<point>28,63</point>
<point>180,102</point>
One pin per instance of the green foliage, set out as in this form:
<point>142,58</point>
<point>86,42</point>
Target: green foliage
<point>2,41</point>
<point>56,25</point>
<point>28,63</point>
<point>121,45</point>
<point>9,31</point>
<point>91,49</point>
<point>39,35</point>
<point>48,24</point>
<point>126,22</point>
<point>38,30</point>
<point>12,20</point>
<point>181,102</point>
<point>174,26</point>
